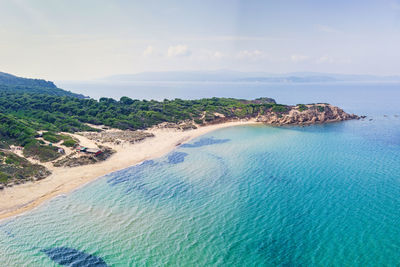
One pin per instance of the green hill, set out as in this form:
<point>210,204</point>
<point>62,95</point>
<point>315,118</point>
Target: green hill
<point>14,84</point>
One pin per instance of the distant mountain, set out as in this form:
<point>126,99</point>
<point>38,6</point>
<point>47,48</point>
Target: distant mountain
<point>290,79</point>
<point>236,76</point>
<point>181,76</point>
<point>12,83</point>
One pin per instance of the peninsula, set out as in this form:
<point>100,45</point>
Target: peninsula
<point>50,138</point>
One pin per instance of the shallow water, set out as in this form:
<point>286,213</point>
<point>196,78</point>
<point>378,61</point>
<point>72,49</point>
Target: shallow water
<point>324,195</point>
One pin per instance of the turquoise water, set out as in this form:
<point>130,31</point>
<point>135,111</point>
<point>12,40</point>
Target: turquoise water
<point>324,195</point>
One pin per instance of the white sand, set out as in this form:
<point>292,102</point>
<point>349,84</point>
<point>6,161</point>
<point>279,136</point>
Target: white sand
<point>18,199</point>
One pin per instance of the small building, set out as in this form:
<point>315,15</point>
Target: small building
<point>61,150</point>
<point>81,149</point>
<point>94,151</point>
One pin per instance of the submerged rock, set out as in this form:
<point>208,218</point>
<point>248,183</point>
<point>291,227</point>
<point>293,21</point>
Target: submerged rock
<point>72,257</point>
<point>176,157</point>
<point>206,142</point>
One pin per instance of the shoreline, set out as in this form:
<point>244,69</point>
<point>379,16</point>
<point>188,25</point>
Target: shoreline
<point>19,199</point>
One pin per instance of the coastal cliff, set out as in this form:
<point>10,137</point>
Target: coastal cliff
<point>289,115</point>
<point>306,114</point>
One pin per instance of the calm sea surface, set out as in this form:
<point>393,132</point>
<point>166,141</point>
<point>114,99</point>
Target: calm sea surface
<point>324,195</point>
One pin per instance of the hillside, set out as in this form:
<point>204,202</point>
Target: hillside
<point>14,84</point>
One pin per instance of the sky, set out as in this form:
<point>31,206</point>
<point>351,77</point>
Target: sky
<point>89,39</point>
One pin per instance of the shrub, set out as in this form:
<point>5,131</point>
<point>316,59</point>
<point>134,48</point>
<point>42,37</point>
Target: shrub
<point>4,145</point>
<point>302,107</point>
<point>279,108</point>
<point>41,152</point>
<point>4,177</point>
<point>51,137</point>
<point>198,121</point>
<point>10,161</point>
<point>69,143</point>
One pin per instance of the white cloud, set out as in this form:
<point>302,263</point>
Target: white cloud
<point>325,59</point>
<point>326,29</point>
<point>298,58</point>
<point>149,51</point>
<point>232,38</point>
<point>179,51</point>
<point>218,55</point>
<point>332,60</point>
<point>251,54</point>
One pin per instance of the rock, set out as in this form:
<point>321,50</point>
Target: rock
<point>319,113</point>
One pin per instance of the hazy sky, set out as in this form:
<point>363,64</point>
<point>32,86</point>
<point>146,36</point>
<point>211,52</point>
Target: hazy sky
<point>86,39</point>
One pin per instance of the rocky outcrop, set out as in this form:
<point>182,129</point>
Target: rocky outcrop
<point>306,114</point>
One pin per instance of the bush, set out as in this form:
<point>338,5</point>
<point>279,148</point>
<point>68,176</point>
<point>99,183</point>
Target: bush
<point>279,108</point>
<point>4,177</point>
<point>9,160</point>
<point>198,121</point>
<point>51,137</point>
<point>69,143</point>
<point>302,107</point>
<point>41,152</point>
<point>4,145</point>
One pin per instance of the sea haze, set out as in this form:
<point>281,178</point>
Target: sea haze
<point>323,195</point>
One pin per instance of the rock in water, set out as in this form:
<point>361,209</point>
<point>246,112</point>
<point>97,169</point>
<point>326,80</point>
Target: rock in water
<point>72,257</point>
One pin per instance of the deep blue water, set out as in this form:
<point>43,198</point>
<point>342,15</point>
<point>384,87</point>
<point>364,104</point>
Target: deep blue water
<point>323,195</point>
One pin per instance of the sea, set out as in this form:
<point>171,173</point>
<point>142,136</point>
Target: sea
<point>321,195</point>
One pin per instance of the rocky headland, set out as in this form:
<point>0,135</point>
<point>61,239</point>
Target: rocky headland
<point>306,115</point>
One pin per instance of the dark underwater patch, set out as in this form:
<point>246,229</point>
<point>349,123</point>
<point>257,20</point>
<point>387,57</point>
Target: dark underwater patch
<point>206,142</point>
<point>131,173</point>
<point>133,180</point>
<point>177,157</point>
<point>167,191</point>
<point>72,257</point>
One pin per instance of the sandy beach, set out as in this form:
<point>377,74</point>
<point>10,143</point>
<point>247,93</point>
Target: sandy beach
<point>19,199</point>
